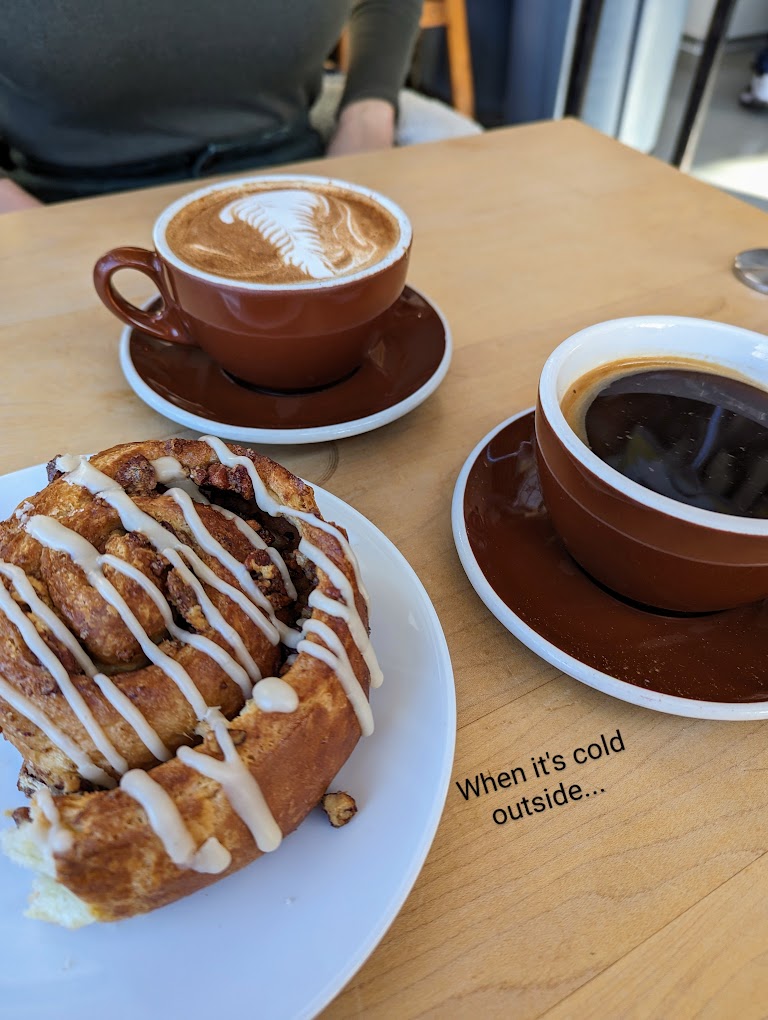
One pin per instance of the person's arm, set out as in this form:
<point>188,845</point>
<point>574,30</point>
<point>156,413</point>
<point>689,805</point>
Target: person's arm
<point>363,125</point>
<point>382,34</point>
<point>12,197</point>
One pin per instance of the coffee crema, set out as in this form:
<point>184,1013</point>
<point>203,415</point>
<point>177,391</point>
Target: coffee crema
<point>282,232</point>
<point>679,429</point>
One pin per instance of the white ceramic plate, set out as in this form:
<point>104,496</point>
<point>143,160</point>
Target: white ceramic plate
<point>620,689</point>
<point>276,436</point>
<point>282,937</point>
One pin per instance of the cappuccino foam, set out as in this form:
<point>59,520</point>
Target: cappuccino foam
<point>282,232</point>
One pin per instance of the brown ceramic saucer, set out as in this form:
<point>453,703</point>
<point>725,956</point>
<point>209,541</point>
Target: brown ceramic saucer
<point>710,666</point>
<point>407,363</point>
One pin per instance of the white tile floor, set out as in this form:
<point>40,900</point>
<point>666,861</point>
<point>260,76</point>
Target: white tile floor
<point>733,147</point>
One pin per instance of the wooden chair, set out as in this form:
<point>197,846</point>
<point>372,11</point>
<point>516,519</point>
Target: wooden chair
<point>452,16</point>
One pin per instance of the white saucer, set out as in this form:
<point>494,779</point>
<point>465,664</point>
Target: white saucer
<point>406,365</point>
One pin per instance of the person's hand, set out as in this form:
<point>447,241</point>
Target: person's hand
<point>363,125</point>
<point>12,197</point>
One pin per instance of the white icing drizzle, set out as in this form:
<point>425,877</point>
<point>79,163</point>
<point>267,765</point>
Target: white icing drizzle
<point>333,654</point>
<point>208,543</point>
<point>168,470</point>
<point>258,542</point>
<point>238,784</point>
<point>55,535</point>
<point>29,710</point>
<point>21,512</point>
<point>49,810</point>
<point>270,694</point>
<point>272,630</point>
<point>123,705</point>
<point>202,644</point>
<point>240,788</point>
<point>45,812</point>
<point>23,586</point>
<point>346,548</point>
<point>50,661</point>
<point>188,486</point>
<point>345,610</point>
<point>274,695</point>
<point>70,462</point>
<point>169,826</point>
<point>248,668</point>
<point>134,519</point>
<point>269,505</point>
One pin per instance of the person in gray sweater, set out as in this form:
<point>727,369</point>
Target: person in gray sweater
<point>130,93</point>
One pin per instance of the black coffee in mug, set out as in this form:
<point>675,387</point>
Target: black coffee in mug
<point>685,432</point>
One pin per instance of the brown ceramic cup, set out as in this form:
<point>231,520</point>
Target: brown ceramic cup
<point>645,546</point>
<point>280,336</point>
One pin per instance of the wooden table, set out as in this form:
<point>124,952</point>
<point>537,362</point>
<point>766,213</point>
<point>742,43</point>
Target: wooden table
<point>651,900</point>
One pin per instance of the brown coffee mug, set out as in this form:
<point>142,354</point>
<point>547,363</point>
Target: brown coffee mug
<point>646,546</point>
<point>291,336</point>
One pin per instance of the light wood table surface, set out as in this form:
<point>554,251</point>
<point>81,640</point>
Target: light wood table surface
<point>651,900</point>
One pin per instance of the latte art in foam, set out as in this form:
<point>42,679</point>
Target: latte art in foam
<point>283,233</point>
<point>315,233</point>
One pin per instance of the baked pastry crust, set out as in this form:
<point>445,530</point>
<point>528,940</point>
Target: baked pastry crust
<point>261,761</point>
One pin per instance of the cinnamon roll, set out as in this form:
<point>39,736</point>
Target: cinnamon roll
<point>184,667</point>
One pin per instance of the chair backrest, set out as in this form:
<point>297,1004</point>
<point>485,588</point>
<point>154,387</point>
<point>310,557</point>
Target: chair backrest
<point>452,16</point>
